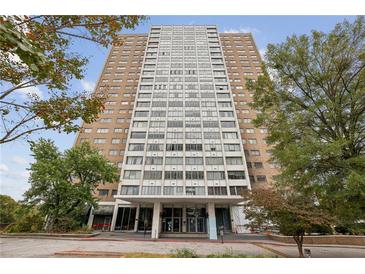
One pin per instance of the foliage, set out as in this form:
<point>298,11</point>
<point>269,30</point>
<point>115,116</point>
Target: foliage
<point>293,213</point>
<point>28,219</point>
<point>8,207</point>
<point>186,253</point>
<point>62,184</point>
<point>312,100</point>
<point>37,51</point>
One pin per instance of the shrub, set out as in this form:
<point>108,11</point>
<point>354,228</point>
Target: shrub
<point>186,253</point>
<point>28,219</point>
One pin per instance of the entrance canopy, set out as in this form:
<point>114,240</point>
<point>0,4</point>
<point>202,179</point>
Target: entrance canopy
<point>183,199</point>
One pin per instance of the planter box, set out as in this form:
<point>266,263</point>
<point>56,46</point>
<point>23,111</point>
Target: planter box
<point>61,235</point>
<point>324,239</point>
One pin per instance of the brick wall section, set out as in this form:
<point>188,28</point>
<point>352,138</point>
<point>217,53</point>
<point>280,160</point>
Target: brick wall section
<point>243,62</point>
<point>118,81</point>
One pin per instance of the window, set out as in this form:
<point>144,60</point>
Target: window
<point>115,141</point>
<point>158,113</point>
<point>232,147</point>
<point>193,147</point>
<point>226,114</point>
<point>195,190</point>
<point>234,161</point>
<point>158,124</point>
<point>236,175</point>
<point>134,160</point>
<point>99,141</point>
<point>193,135</point>
<point>136,147</point>
<point>156,135</point>
<point>210,124</point>
<point>193,161</point>
<point>228,124</point>
<point>194,124</point>
<point>174,147</point>
<point>263,130</point>
<point>174,161</point>
<point>255,152</point>
<point>113,152</point>
<point>118,130</point>
<point>173,190</point>
<point>140,124</point>
<point>174,175</point>
<point>214,160</point>
<point>102,130</point>
<point>103,192</point>
<point>194,175</point>
<point>87,130</point>
<point>154,147</point>
<point>261,178</point>
<point>213,147</point>
<point>252,141</point>
<point>129,190</point>
<point>152,175</point>
<point>215,175</point>
<point>154,160</point>
<point>141,114</point>
<point>230,135</point>
<point>105,120</point>
<point>250,130</point>
<point>132,174</point>
<point>175,123</point>
<point>151,190</point>
<point>217,190</point>
<point>258,165</point>
<point>237,190</point>
<point>138,134</point>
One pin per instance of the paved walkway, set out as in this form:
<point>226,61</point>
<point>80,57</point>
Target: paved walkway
<point>30,247</point>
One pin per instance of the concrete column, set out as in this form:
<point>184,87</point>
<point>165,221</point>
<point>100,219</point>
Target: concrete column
<point>156,220</point>
<point>114,219</point>
<point>212,225</point>
<point>184,223</point>
<point>137,218</point>
<point>91,218</point>
<point>233,224</point>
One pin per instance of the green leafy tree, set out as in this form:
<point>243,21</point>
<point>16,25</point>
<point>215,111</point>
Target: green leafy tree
<point>312,100</point>
<point>292,213</point>
<point>37,51</point>
<point>8,207</point>
<point>62,184</point>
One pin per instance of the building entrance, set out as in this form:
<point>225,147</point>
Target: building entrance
<point>223,219</point>
<point>126,219</point>
<point>196,220</point>
<point>172,220</point>
<point>145,219</point>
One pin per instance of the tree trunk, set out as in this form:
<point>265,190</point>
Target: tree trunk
<point>299,238</point>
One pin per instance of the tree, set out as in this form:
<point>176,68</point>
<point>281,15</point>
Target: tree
<point>62,184</point>
<point>312,100</point>
<point>293,213</point>
<point>8,207</point>
<point>37,51</point>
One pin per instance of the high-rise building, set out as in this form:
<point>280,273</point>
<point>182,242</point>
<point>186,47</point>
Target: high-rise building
<point>178,124</point>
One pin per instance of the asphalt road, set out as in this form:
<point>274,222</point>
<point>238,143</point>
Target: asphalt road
<point>41,248</point>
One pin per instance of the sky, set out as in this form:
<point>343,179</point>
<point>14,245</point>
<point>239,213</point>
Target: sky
<point>15,157</point>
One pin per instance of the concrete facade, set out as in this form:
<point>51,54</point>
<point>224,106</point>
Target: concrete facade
<point>178,125</point>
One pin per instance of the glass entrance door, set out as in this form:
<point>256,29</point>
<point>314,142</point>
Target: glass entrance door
<point>223,219</point>
<point>196,220</point>
<point>126,219</point>
<point>172,220</point>
<point>145,219</point>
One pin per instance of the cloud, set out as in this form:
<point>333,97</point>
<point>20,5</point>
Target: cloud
<point>19,160</point>
<point>3,168</point>
<point>25,93</point>
<point>87,85</point>
<point>242,29</point>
